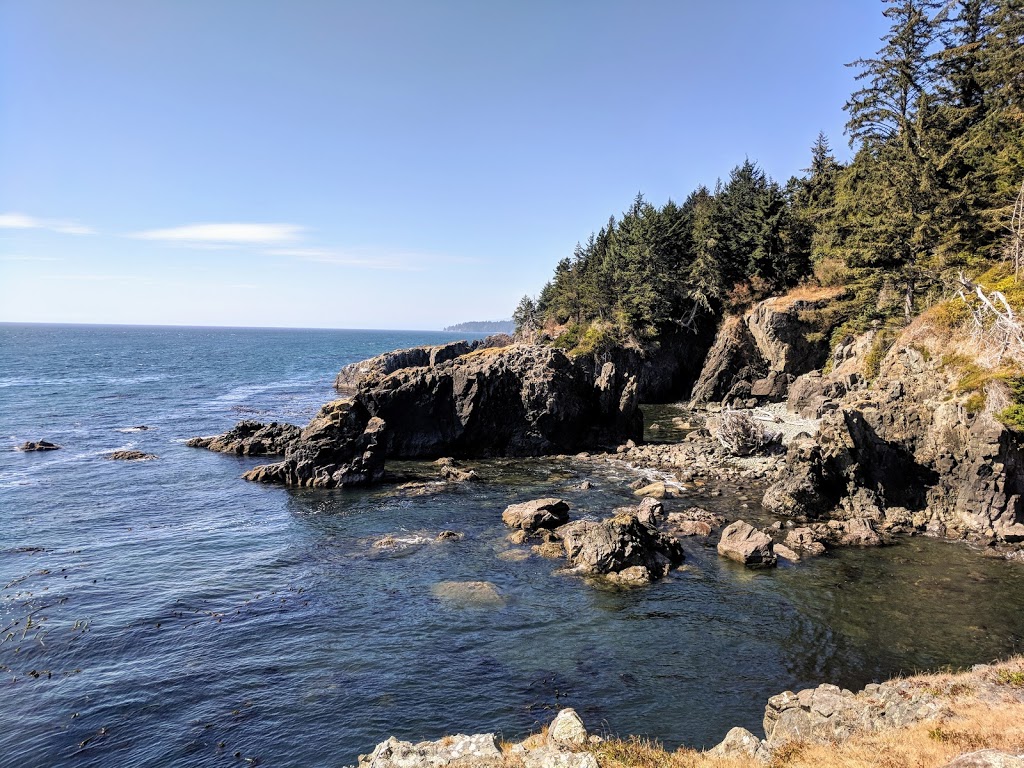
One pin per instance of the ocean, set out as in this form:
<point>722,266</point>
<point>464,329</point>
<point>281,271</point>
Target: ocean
<point>167,612</point>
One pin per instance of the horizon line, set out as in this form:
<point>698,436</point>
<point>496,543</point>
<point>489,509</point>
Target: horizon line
<point>229,327</point>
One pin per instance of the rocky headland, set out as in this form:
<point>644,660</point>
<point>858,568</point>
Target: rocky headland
<point>454,401</point>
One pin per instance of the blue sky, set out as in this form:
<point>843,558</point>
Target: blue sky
<point>382,164</point>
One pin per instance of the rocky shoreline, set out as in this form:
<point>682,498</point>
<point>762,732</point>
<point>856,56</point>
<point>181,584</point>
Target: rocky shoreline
<point>951,714</point>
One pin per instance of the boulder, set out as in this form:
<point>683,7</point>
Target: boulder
<point>805,541</point>
<point>619,543</point>
<point>567,730</point>
<point>536,514</point>
<point>655,490</point>
<point>987,758</point>
<point>250,438</point>
<point>651,512</point>
<point>745,544</point>
<point>739,743</point>
<point>38,445</point>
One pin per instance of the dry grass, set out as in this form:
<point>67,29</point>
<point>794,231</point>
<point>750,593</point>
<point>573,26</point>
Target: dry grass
<point>810,293</point>
<point>973,726</point>
<point>997,722</point>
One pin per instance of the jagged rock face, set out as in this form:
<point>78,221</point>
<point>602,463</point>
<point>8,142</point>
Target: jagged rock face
<point>250,438</point>
<point>665,372</point>
<point>904,444</point>
<point>380,366</point>
<point>781,334</point>
<point>755,357</point>
<point>620,545</point>
<point>733,358</point>
<point>342,446</point>
<point>513,401</point>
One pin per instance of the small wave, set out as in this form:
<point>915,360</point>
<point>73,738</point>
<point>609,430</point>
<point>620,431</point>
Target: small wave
<point>131,430</point>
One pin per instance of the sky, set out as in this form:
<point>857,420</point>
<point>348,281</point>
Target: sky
<point>398,164</point>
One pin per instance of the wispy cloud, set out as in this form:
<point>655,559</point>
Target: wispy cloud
<point>399,262</point>
<point>18,257</point>
<point>230,233</point>
<point>14,220</point>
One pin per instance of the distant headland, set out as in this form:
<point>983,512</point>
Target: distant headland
<point>484,326</point>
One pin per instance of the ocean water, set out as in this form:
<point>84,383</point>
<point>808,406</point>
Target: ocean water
<point>169,613</point>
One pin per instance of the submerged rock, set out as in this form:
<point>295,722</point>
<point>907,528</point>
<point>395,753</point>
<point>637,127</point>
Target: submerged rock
<point>745,544</point>
<point>468,594</point>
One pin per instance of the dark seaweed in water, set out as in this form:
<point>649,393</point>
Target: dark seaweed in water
<point>168,613</point>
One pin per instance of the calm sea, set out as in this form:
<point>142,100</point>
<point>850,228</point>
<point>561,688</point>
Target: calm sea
<point>169,613</point>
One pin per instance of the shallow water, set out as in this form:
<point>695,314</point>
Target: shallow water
<point>180,615</point>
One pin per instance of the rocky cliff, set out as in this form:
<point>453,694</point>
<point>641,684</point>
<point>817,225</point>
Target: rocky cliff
<point>756,356</point>
<point>907,450</point>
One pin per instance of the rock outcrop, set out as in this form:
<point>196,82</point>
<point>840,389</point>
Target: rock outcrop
<point>351,376</point>
<point>745,544</point>
<point>519,400</point>
<point>250,438</point>
<point>38,445</point>
<point>905,453</point>
<point>756,357</point>
<point>342,446</point>
<point>130,456</point>
<point>620,548</point>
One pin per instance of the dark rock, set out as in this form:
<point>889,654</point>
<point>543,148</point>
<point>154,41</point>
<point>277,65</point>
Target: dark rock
<point>537,514</point>
<point>352,375</point>
<point>512,401</point>
<point>39,445</point>
<point>342,446</point>
<point>250,438</point>
<point>618,544</point>
<point>745,544</point>
<point>733,358</point>
<point>130,456</point>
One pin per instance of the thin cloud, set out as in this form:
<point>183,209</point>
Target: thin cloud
<point>390,262</point>
<point>15,257</point>
<point>14,220</point>
<point>229,233</point>
<point>395,261</point>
